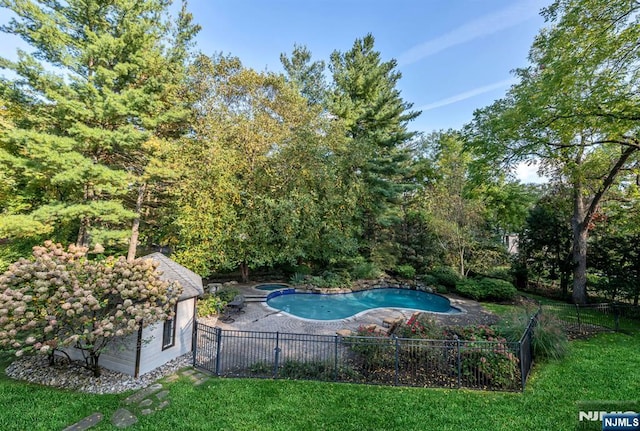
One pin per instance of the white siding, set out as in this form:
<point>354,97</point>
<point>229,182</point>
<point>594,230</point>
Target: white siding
<point>152,355</point>
<point>119,355</point>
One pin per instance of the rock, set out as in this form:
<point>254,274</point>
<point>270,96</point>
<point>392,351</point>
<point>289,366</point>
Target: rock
<point>85,423</point>
<point>161,395</point>
<point>74,376</point>
<point>145,403</point>
<point>123,418</point>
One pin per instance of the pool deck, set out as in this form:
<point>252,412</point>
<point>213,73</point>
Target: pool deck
<point>258,316</point>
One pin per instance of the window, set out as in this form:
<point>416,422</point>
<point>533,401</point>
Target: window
<point>169,331</point>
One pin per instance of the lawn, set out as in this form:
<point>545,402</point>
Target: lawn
<point>605,367</point>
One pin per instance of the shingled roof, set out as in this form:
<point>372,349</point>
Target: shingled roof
<point>172,271</point>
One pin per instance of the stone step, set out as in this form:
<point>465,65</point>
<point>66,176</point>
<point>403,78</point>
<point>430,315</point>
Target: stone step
<point>255,299</point>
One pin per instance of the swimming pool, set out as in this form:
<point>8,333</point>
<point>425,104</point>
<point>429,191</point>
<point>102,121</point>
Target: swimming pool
<point>342,305</point>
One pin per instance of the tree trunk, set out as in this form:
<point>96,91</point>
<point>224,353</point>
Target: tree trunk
<point>580,236</point>
<point>83,232</point>
<point>244,272</point>
<point>135,228</point>
<point>94,366</point>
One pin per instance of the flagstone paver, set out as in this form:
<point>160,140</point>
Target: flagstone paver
<point>123,418</point>
<point>143,393</point>
<point>85,423</point>
<point>143,402</point>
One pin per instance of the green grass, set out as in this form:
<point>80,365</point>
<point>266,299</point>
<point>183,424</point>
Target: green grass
<point>499,309</point>
<point>601,368</point>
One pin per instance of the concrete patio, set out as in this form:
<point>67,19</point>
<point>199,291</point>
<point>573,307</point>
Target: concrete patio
<point>258,316</point>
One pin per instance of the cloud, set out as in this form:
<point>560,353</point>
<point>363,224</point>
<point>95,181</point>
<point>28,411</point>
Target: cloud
<point>511,16</point>
<point>527,173</point>
<point>467,94</point>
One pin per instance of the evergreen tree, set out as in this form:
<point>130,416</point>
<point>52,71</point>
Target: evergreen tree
<point>308,76</point>
<point>365,97</point>
<point>99,96</point>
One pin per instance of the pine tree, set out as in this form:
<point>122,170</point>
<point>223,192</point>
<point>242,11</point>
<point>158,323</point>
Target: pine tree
<point>308,76</point>
<point>366,98</point>
<point>99,97</point>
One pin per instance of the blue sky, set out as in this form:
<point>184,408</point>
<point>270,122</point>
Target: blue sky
<point>454,55</point>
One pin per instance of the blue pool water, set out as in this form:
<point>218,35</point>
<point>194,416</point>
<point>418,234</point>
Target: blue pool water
<point>271,286</point>
<point>343,305</point>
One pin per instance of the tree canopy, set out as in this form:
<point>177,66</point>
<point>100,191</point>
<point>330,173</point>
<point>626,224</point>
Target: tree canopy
<point>95,97</point>
<point>575,108</point>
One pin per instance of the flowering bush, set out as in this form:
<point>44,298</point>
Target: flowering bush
<point>375,351</point>
<point>61,299</point>
<point>474,333</point>
<point>486,358</point>
<point>493,365</point>
<point>422,327</point>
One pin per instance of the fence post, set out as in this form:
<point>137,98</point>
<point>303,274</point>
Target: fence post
<point>459,362</point>
<point>616,317</point>
<point>218,348</point>
<point>277,356</point>
<point>335,358</point>
<point>194,341</point>
<point>522,365</point>
<point>578,315</point>
<point>397,371</point>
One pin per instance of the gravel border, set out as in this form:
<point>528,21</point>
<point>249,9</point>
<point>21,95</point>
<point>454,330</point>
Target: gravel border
<point>74,376</point>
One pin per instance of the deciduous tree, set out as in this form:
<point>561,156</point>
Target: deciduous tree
<point>576,107</point>
<point>59,299</point>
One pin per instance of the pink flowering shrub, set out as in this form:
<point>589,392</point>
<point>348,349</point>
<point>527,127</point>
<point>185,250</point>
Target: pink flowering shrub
<point>59,298</point>
<point>488,360</point>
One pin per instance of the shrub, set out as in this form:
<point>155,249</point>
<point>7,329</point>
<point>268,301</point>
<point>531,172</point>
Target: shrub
<point>491,366</point>
<point>469,288</point>
<point>375,351</point>
<point>365,271</point>
<point>430,280</point>
<point>316,370</point>
<point>226,294</point>
<point>209,305</point>
<point>406,271</point>
<point>446,276</point>
<point>549,339</point>
<point>59,298</point>
<point>441,289</point>
<point>473,333</point>
<point>297,279</point>
<point>424,327</point>
<point>486,359</point>
<point>330,280</point>
<point>486,288</point>
<point>501,273</point>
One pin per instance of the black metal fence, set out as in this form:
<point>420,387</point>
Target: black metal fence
<point>589,318</point>
<point>490,365</point>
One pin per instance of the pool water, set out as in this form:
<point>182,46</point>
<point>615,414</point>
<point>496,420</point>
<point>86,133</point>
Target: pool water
<point>342,305</point>
<point>271,286</point>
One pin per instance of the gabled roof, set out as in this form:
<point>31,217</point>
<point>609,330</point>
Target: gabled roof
<point>172,271</point>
